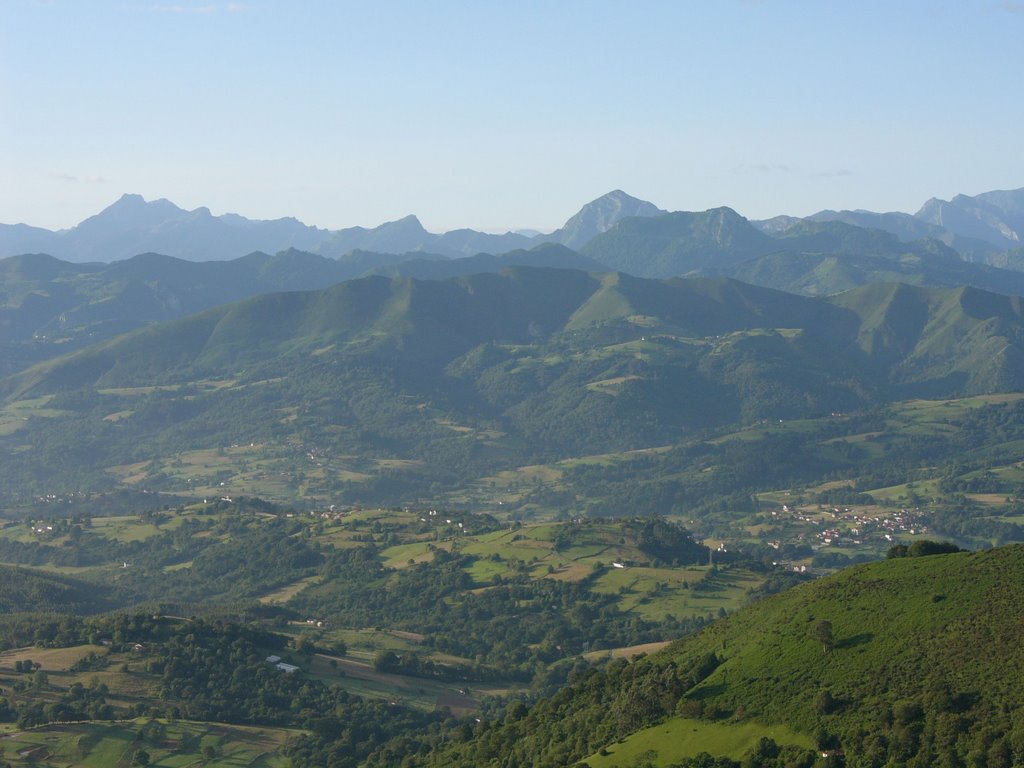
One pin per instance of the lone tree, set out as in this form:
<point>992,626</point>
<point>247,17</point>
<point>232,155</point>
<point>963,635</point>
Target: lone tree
<point>822,632</point>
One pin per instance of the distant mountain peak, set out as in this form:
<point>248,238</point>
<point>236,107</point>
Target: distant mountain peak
<point>131,211</point>
<point>407,226</point>
<point>411,221</point>
<point>996,217</point>
<point>618,194</point>
<point>131,201</point>
<point>600,215</point>
<point>619,201</point>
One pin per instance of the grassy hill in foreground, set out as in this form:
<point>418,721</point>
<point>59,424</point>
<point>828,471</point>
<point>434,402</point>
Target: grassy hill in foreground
<point>912,661</point>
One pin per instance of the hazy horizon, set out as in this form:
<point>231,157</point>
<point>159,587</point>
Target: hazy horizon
<point>502,118</point>
<point>370,225</point>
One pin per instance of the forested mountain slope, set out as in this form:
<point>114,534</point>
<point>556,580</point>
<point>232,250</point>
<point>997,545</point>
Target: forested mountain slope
<point>460,378</point>
<point>911,661</point>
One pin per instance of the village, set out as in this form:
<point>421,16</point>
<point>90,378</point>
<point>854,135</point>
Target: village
<point>831,534</point>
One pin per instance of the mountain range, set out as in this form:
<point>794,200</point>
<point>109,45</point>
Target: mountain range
<point>978,225</point>
<point>132,225</point>
<point>978,228</point>
<point>50,306</point>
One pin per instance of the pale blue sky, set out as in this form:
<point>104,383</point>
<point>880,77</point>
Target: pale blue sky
<point>497,115</point>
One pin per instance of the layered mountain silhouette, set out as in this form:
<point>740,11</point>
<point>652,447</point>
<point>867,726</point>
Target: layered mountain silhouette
<point>976,227</point>
<point>49,306</point>
<point>132,226</point>
<point>823,257</point>
<point>995,217</point>
<point>980,228</point>
<point>678,243</point>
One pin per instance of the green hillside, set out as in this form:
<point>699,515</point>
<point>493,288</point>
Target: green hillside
<point>910,661</point>
<point>677,243</point>
<point>49,307</point>
<point>825,258</point>
<point>388,390</point>
<point>824,274</point>
<point>23,589</point>
<point>926,330</point>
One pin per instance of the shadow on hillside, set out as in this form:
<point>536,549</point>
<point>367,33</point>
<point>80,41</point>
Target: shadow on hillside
<point>855,640</point>
<point>708,691</point>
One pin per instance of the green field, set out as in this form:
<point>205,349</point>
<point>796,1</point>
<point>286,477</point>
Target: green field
<point>939,411</point>
<point>127,529</point>
<point>15,415</point>
<point>653,593</point>
<point>181,744</point>
<point>679,737</point>
<point>925,489</point>
<point>360,678</point>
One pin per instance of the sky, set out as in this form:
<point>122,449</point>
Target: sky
<point>499,115</point>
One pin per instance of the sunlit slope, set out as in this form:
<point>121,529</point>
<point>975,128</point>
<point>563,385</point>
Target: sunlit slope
<point>912,660</point>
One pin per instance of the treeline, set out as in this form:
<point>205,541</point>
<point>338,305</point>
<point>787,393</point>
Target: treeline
<point>597,708</point>
<point>963,522</point>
